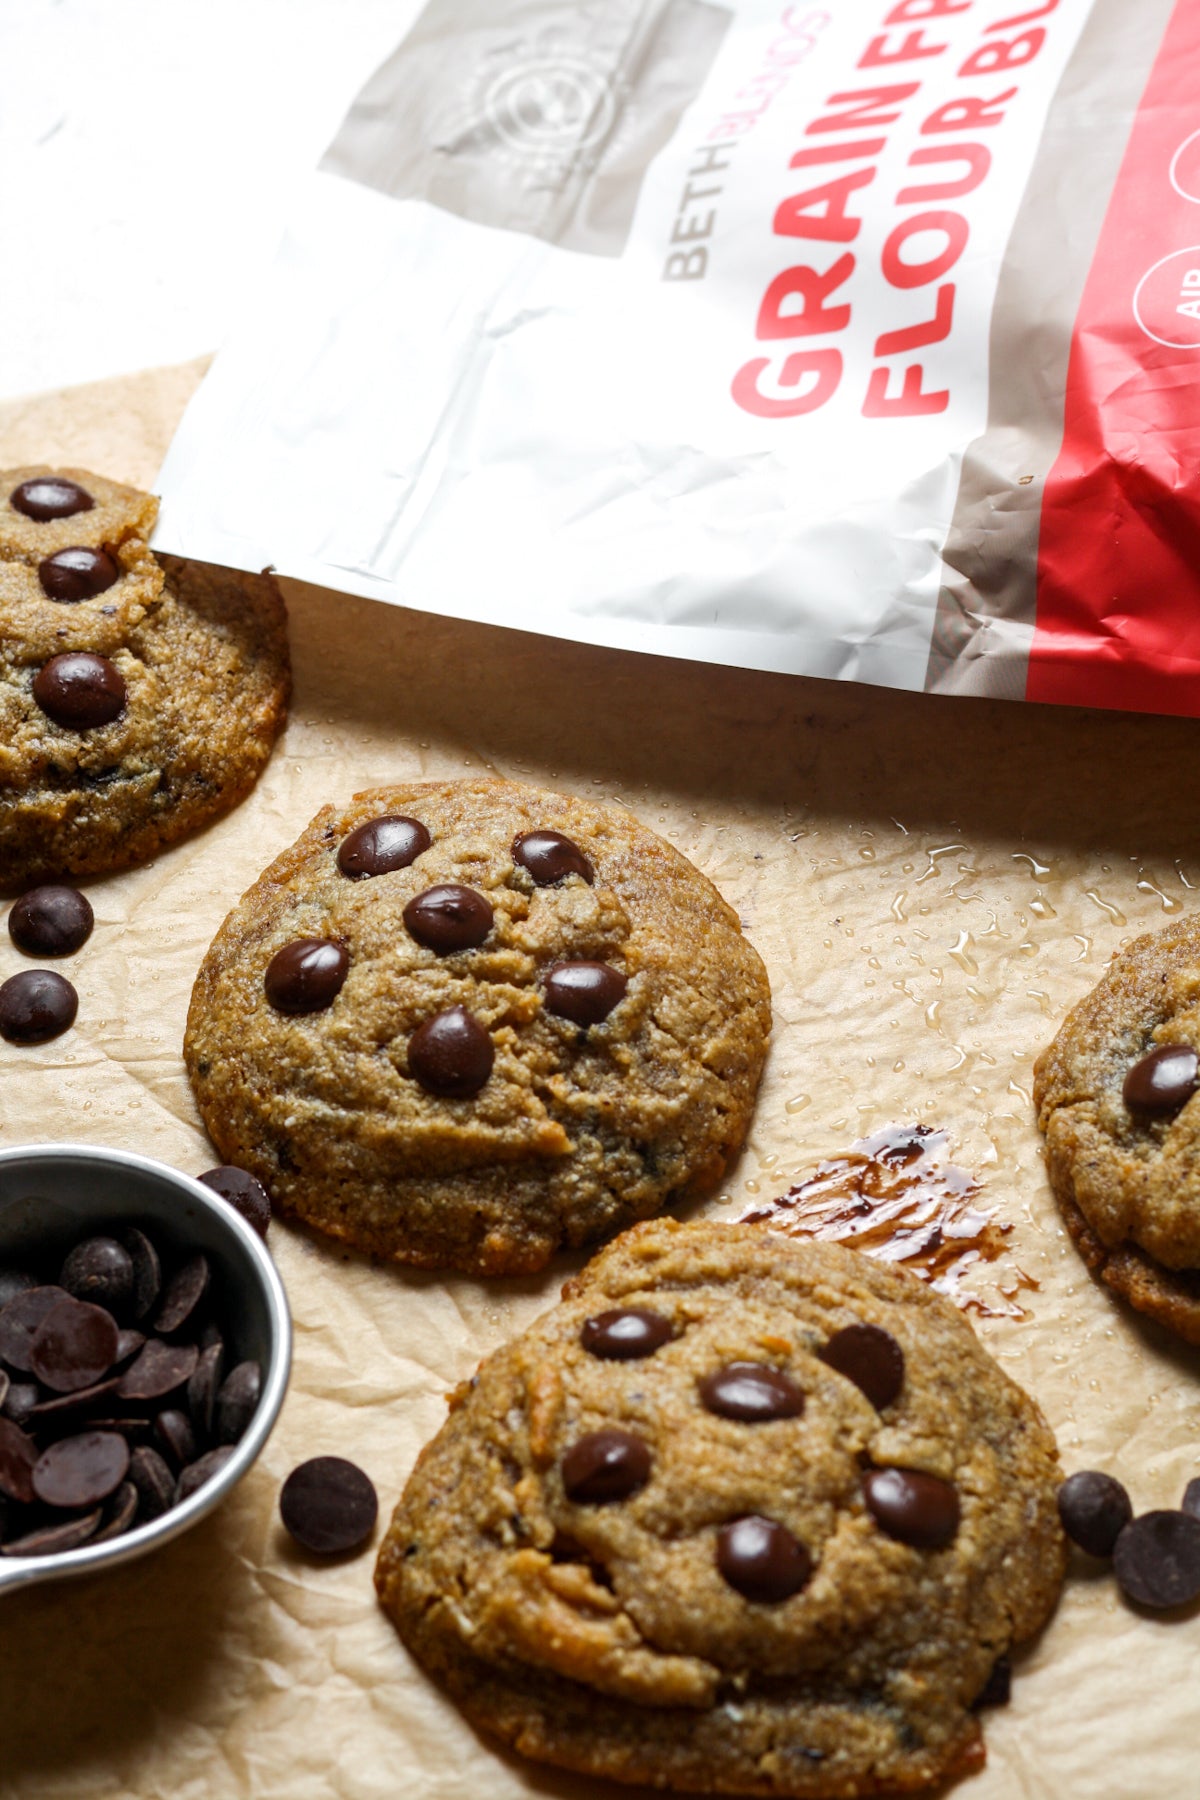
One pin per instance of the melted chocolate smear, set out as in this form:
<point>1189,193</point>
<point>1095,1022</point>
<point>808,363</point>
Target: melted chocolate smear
<point>896,1197</point>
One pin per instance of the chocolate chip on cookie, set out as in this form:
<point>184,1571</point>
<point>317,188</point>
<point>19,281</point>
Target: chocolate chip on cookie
<point>45,497</point>
<point>78,573</point>
<point>449,917</point>
<point>451,1054</point>
<point>80,691</point>
<point>306,976</point>
<point>550,857</point>
<point>382,845</point>
<point>625,1334</point>
<point>584,992</point>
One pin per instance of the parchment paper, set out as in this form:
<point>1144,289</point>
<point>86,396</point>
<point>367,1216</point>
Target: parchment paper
<point>931,883</point>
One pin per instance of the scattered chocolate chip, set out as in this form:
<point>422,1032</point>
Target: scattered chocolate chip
<point>20,1400</point>
<point>392,841</point>
<point>158,1370</point>
<point>100,1270</point>
<point>52,920</point>
<point>21,1318</point>
<point>751,1392</point>
<point>53,1540</point>
<point>173,1430</point>
<point>1094,1509</point>
<point>450,1055</point>
<point>584,992</point>
<point>997,1689</point>
<point>605,1465</point>
<point>201,1471</point>
<point>154,1482</point>
<point>147,1270</point>
<point>77,573</point>
<point>18,1455</point>
<point>1163,1081</point>
<point>246,1195</point>
<point>183,1293</point>
<point>202,1388</point>
<point>550,857</point>
<point>912,1507</point>
<point>761,1560</point>
<point>121,1512</point>
<point>869,1357</point>
<point>1191,1498</point>
<point>307,975</point>
<point>35,1006</point>
<point>625,1335</point>
<point>449,917</point>
<point>45,497</point>
<point>1156,1559</point>
<point>79,1471</point>
<point>328,1505</point>
<point>80,691</point>
<point>12,1283</point>
<point>237,1402</point>
<point>65,1405</point>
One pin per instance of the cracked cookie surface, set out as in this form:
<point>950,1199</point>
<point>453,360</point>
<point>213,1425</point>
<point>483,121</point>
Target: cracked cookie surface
<point>594,1606</point>
<point>540,1025</point>
<point>197,657</point>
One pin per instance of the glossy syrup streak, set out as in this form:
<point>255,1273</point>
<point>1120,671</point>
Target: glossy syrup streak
<point>896,1197</point>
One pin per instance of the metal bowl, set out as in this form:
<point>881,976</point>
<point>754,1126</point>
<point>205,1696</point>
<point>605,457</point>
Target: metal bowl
<point>53,1194</point>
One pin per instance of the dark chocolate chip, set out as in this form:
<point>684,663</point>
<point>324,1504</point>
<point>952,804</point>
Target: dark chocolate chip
<point>53,920</point>
<point>147,1270</point>
<point>869,1357</point>
<point>20,1400</point>
<point>35,1006</point>
<point>159,1369</point>
<point>328,1505</point>
<point>210,1334</point>
<point>1156,1559</point>
<point>53,1540</point>
<point>448,917</point>
<point>128,1344</point>
<point>625,1335</point>
<point>450,1055</point>
<point>605,1465</point>
<point>306,976</point>
<point>751,1392</point>
<point>154,1482</point>
<point>21,1318</point>
<point>128,1428</point>
<point>173,1430</point>
<point>68,1404</point>
<point>392,841</point>
<point>1163,1081</point>
<point>79,1471</point>
<point>997,1689</point>
<point>1094,1509</point>
<point>1191,1498</point>
<point>912,1507</point>
<point>45,497</point>
<point>244,1193</point>
<point>119,1514</point>
<point>100,1270</point>
<point>584,992</point>
<point>183,1293</point>
<point>761,1560</point>
<point>77,573</point>
<point>550,857</point>
<point>12,1283</point>
<point>202,1470</point>
<point>80,690</point>
<point>202,1388</point>
<point>237,1402</point>
<point>18,1455</point>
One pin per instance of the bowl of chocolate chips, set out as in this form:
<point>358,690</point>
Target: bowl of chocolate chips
<point>145,1345</point>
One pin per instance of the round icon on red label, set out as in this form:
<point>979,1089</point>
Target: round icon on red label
<point>1166,303</point>
<point>1185,168</point>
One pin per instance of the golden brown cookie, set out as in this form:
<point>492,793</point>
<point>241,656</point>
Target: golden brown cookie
<point>742,1515</point>
<point>1114,1094</point>
<point>140,696</point>
<point>461,1023</point>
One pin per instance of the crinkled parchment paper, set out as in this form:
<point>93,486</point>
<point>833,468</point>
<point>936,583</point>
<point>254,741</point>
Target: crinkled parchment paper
<point>931,881</point>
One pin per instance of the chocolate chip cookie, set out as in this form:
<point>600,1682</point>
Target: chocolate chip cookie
<point>742,1515</point>
<point>1114,1094</point>
<point>139,695</point>
<point>461,1023</point>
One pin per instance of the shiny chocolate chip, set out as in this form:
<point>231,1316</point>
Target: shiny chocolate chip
<point>761,1560</point>
<point>550,857</point>
<point>45,497</point>
<point>18,1456</point>
<point>237,1402</point>
<point>1094,1509</point>
<point>100,1270</point>
<point>158,1370</point>
<point>183,1293</point>
<point>392,841</point>
<point>80,1400</point>
<point>53,920</point>
<point>869,1357</point>
<point>53,1540</point>
<point>21,1318</point>
<point>329,1505</point>
<point>912,1507</point>
<point>81,1470</point>
<point>35,1006</point>
<point>74,1347</point>
<point>129,1342</point>
<point>307,975</point>
<point>174,1435</point>
<point>1163,1081</point>
<point>584,992</point>
<point>604,1466</point>
<point>449,917</point>
<point>120,1514</point>
<point>153,1481</point>
<point>201,1471</point>
<point>77,573</point>
<point>202,1388</point>
<point>625,1335</point>
<point>21,1399</point>
<point>751,1392</point>
<point>1156,1559</point>
<point>246,1195</point>
<point>147,1270</point>
<point>451,1055</point>
<point>80,691</point>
